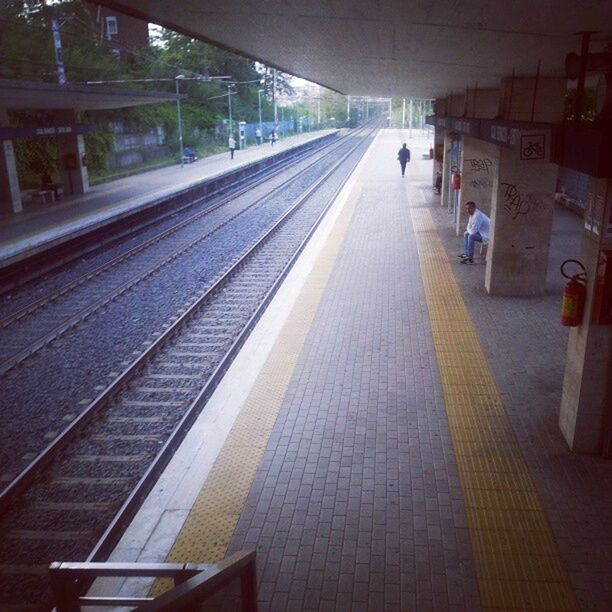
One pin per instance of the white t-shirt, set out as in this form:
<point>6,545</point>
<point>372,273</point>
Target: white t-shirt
<point>479,223</point>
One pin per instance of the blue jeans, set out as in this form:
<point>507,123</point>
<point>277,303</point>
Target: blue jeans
<point>468,243</point>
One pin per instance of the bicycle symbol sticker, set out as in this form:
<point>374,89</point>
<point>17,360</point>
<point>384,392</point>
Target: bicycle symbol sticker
<point>533,146</point>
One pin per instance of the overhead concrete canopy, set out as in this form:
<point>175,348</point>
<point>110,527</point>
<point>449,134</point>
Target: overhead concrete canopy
<point>406,48</point>
<point>42,96</point>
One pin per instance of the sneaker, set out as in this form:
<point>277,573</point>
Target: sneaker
<point>462,256</point>
<point>468,261</point>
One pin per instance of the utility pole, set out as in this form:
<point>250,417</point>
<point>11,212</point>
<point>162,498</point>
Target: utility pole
<point>348,110</point>
<point>178,112</point>
<point>410,120</point>
<point>57,45</point>
<point>421,123</point>
<point>259,92</point>
<point>274,97</point>
<point>229,106</point>
<point>390,110</point>
<point>403,113</point>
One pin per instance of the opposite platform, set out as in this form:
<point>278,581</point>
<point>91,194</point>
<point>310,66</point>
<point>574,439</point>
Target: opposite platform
<point>387,438</point>
<point>30,232</point>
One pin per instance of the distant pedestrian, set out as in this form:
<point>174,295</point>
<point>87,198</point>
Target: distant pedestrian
<point>231,142</point>
<point>258,136</point>
<point>272,137</point>
<point>403,155</point>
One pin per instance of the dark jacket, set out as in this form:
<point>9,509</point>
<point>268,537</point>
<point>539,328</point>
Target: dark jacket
<point>403,155</point>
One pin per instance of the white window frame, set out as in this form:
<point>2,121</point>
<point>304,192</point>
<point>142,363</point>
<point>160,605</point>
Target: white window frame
<point>111,26</point>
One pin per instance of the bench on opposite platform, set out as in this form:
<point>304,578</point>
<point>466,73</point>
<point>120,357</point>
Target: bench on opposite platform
<point>43,196</point>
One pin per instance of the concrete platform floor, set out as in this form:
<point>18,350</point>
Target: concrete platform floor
<point>388,438</point>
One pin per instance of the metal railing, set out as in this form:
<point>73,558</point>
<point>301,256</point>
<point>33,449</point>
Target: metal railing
<point>194,583</point>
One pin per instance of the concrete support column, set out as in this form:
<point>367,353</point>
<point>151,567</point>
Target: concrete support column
<point>10,194</point>
<point>438,153</point>
<point>479,166</point>
<point>521,216</point>
<point>71,151</point>
<point>446,164</point>
<point>522,204</point>
<point>585,417</point>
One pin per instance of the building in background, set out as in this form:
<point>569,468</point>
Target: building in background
<point>122,32</point>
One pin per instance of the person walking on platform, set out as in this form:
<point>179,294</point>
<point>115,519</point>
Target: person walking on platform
<point>231,142</point>
<point>477,230</point>
<point>403,155</point>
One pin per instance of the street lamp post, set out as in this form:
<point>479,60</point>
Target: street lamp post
<point>178,112</point>
<point>274,97</point>
<point>259,92</point>
<point>229,102</point>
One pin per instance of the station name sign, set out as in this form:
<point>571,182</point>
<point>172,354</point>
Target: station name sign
<point>10,133</point>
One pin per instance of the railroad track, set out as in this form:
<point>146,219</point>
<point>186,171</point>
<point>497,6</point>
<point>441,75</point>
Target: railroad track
<point>17,276</point>
<point>96,473</point>
<point>24,332</point>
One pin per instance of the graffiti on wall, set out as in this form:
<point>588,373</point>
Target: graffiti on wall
<point>516,204</point>
<point>478,164</point>
<point>477,172</point>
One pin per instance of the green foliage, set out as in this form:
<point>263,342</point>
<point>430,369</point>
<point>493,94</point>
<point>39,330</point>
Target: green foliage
<point>589,105</point>
<point>27,52</point>
<point>98,145</point>
<point>34,156</point>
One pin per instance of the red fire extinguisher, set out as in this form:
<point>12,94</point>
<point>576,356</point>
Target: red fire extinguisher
<point>574,296</point>
<point>456,181</point>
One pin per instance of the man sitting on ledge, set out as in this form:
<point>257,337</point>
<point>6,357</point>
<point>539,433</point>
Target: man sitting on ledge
<point>477,230</point>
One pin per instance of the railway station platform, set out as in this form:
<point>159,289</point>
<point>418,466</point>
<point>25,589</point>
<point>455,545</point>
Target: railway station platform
<point>41,227</point>
<point>387,439</point>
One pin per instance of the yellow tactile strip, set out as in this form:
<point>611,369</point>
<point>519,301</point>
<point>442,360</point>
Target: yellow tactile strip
<point>212,520</point>
<point>518,564</point>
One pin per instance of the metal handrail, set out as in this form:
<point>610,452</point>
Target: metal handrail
<point>194,583</point>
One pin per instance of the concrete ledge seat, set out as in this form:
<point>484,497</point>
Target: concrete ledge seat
<point>188,160</point>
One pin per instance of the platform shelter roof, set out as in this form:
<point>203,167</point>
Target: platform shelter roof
<point>406,48</point>
<point>16,95</point>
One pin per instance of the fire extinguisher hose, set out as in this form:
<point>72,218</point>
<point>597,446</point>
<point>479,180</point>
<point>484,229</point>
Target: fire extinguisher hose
<point>580,276</point>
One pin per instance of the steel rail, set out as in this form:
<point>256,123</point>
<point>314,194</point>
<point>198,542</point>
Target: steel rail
<point>122,232</point>
<point>91,308</point>
<point>45,457</point>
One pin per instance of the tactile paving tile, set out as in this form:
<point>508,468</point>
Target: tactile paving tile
<point>212,520</point>
<point>518,563</point>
